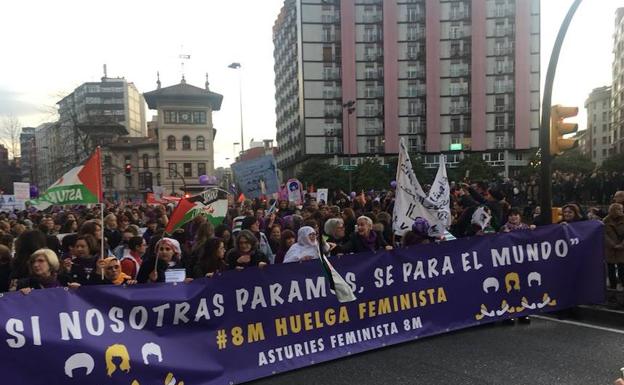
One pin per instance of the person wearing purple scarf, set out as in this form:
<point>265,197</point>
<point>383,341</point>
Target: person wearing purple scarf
<point>365,239</point>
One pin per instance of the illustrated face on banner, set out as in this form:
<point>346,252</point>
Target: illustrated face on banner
<point>293,186</point>
<point>513,283</point>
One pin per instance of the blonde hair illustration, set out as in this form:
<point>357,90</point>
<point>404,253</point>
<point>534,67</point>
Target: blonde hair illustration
<point>119,351</point>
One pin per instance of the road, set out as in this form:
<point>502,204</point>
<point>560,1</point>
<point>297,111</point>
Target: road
<point>547,351</point>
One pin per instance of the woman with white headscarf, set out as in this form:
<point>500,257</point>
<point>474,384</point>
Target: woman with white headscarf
<point>306,248</point>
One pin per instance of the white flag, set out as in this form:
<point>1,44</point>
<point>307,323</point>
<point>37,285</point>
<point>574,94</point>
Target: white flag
<point>411,201</point>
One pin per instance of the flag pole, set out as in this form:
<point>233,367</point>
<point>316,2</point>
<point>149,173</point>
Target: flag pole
<point>100,198</point>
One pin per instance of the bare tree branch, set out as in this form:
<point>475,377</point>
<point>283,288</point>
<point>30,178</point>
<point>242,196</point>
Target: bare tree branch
<point>10,133</point>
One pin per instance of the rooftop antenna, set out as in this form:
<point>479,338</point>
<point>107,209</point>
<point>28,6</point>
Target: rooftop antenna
<point>105,73</point>
<point>183,57</point>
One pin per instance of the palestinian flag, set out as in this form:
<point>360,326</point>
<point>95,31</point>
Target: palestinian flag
<point>336,282</point>
<point>211,203</point>
<point>80,185</point>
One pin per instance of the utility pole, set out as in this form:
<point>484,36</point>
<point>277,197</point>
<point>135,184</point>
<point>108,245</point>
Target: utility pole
<point>546,161</point>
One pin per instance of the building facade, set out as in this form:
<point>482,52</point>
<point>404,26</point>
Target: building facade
<point>95,113</point>
<point>28,153</point>
<point>185,133</point>
<point>617,86</point>
<point>597,139</point>
<point>355,76</point>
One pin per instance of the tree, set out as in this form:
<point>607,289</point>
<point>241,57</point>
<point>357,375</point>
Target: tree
<point>321,174</point>
<point>371,174</point>
<point>10,133</point>
<point>613,163</point>
<point>573,161</point>
<point>475,168</point>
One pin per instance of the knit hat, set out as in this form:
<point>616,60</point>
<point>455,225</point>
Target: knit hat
<point>421,227</point>
<point>174,244</point>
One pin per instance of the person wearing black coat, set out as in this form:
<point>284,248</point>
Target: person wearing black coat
<point>168,257</point>
<point>365,239</point>
<point>245,253</point>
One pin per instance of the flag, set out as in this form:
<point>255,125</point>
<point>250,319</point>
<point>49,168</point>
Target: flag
<point>336,282</point>
<point>411,201</point>
<point>211,203</point>
<point>80,185</point>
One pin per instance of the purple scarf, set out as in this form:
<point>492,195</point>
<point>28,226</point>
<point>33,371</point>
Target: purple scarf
<point>371,241</point>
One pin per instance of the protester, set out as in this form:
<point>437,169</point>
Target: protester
<point>5,268</point>
<point>111,233</point>
<point>306,248</point>
<point>253,225</point>
<point>167,257</point>
<point>614,245</point>
<point>287,239</point>
<point>514,222</point>
<point>212,259</point>
<point>246,253</point>
<point>83,262</point>
<point>44,273</point>
<point>274,237</point>
<point>570,213</point>
<point>112,273</point>
<point>365,239</point>
<point>131,262</point>
<point>419,234</point>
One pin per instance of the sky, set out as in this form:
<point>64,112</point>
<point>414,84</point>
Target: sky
<point>51,47</point>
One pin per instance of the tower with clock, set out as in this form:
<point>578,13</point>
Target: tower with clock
<point>185,133</point>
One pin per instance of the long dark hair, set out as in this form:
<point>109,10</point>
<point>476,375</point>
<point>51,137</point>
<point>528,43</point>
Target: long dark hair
<point>209,262</point>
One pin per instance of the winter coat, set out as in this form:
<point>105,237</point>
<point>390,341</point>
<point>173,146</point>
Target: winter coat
<point>614,235</point>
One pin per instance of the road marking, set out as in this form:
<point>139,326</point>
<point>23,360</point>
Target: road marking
<point>579,324</point>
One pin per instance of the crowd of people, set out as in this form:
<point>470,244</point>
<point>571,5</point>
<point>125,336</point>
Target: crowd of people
<point>70,247</point>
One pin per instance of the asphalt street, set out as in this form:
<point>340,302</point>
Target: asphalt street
<point>545,352</point>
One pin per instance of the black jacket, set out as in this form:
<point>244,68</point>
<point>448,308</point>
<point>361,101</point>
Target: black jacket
<point>356,243</point>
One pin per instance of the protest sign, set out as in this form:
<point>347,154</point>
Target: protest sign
<point>257,177</point>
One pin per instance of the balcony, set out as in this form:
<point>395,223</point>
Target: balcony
<point>458,15</point>
<point>459,109</point>
<point>372,18</point>
<point>502,108</point>
<point>503,88</point>
<point>459,90</point>
<point>503,51</point>
<point>503,31</point>
<point>459,71</point>
<point>415,73</point>
<point>331,74</point>
<point>415,34</point>
<point>331,37</point>
<point>330,18</point>
<point>415,55</point>
<point>503,12</point>
<point>459,53</point>
<point>372,74</point>
<point>332,112</point>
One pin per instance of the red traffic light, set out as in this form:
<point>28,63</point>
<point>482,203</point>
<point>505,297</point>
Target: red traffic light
<point>128,170</point>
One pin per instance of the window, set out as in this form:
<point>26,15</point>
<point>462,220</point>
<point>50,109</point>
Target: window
<point>370,145</point>
<point>201,143</point>
<point>413,145</point>
<point>199,117</point>
<point>604,152</point>
<point>128,181</point>
<point>455,125</point>
<point>201,168</point>
<point>499,141</point>
<point>145,161</point>
<point>108,181</point>
<point>499,122</point>
<point>604,128</point>
<point>173,170</point>
<point>412,51</point>
<point>107,161</point>
<point>188,169</point>
<point>186,143</point>
<point>171,142</point>
<point>171,117</point>
<point>327,54</point>
<point>499,104</point>
<point>604,140</point>
<point>413,13</point>
<point>330,146</point>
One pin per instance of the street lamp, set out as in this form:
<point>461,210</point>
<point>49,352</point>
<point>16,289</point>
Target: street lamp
<point>350,107</point>
<point>240,100</point>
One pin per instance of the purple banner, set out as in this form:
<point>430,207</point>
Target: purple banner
<point>245,325</point>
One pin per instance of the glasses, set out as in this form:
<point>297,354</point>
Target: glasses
<point>115,267</point>
<point>312,235</point>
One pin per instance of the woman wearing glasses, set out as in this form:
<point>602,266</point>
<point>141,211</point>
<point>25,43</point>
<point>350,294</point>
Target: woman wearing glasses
<point>245,252</point>
<point>306,248</point>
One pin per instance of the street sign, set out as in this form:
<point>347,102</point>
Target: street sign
<point>347,167</point>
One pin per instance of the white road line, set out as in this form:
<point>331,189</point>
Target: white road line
<point>578,324</point>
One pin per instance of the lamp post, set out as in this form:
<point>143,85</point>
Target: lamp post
<point>350,107</point>
<point>240,100</point>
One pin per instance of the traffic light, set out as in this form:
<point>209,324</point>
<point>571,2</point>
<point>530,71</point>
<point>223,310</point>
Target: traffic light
<point>558,128</point>
<point>128,170</point>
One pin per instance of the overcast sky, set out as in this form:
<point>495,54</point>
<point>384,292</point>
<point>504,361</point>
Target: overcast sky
<point>51,47</point>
